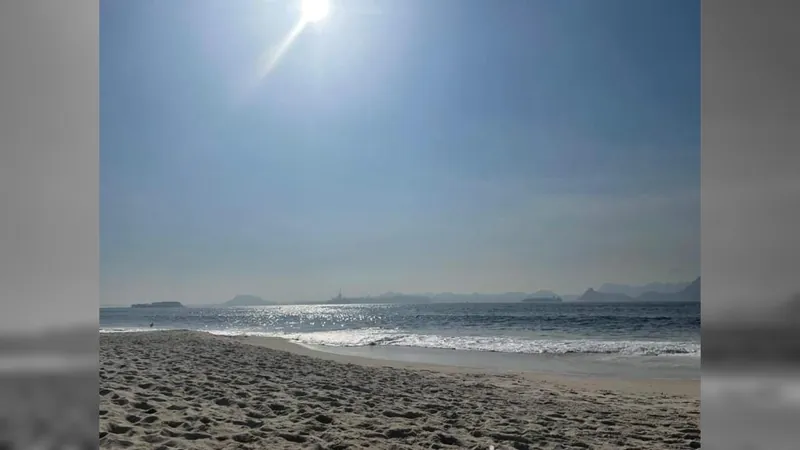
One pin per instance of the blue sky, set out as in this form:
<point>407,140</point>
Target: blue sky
<point>449,145</point>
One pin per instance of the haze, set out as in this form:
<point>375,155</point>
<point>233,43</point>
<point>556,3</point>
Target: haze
<point>463,146</point>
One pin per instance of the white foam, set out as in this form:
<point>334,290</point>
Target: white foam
<point>366,337</point>
<point>504,344</point>
<point>130,330</point>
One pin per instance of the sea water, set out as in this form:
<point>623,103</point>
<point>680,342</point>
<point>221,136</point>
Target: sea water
<point>634,340</point>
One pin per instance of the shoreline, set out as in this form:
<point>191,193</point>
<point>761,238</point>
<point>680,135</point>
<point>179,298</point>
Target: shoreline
<point>681,387</point>
<point>628,373</point>
<point>193,390</point>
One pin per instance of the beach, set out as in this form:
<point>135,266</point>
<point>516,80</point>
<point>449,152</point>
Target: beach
<point>192,390</point>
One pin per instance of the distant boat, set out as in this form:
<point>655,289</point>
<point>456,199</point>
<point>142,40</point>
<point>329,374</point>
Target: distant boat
<point>158,305</point>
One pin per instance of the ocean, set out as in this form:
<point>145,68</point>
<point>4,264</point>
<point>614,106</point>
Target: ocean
<point>660,340</point>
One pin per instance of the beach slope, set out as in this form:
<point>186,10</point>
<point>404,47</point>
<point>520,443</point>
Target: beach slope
<point>189,390</point>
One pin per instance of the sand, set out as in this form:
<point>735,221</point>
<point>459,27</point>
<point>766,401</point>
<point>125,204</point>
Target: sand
<point>189,390</point>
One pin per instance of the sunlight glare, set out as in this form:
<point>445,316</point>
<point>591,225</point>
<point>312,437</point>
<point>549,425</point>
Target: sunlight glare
<point>311,11</point>
<point>314,10</point>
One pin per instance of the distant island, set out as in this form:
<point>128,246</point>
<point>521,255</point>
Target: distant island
<point>547,299</point>
<point>607,293</point>
<point>636,291</point>
<point>247,300</point>
<point>505,297</point>
<point>690,293</point>
<point>381,299</point>
<point>158,305</point>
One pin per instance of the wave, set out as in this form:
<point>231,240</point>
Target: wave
<point>504,344</point>
<point>132,330</point>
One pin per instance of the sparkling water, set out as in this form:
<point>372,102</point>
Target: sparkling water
<point>661,336</point>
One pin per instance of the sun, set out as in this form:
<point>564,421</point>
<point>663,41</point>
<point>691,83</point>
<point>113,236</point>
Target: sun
<point>314,10</point>
<point>311,11</point>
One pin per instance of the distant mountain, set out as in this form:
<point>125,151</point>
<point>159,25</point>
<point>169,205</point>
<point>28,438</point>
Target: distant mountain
<point>507,297</point>
<point>443,297</point>
<point>544,293</point>
<point>389,297</point>
<point>592,296</point>
<point>635,291</point>
<point>690,293</point>
<point>247,300</point>
<point>543,299</point>
<point>661,292</point>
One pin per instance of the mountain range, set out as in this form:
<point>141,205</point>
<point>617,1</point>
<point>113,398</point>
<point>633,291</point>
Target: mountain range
<point>389,297</point>
<point>607,293</point>
<point>507,297</point>
<point>690,293</point>
<point>635,291</point>
<point>247,300</point>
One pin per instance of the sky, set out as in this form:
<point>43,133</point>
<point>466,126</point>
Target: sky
<point>413,146</point>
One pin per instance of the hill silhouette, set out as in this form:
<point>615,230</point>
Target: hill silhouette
<point>637,290</point>
<point>247,300</point>
<point>389,297</point>
<point>690,293</point>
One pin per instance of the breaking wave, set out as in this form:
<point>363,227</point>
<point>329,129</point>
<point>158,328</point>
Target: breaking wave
<point>504,344</point>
